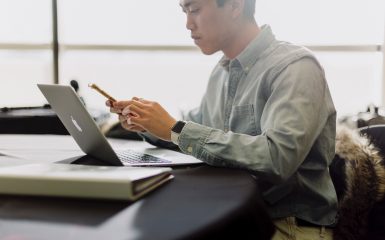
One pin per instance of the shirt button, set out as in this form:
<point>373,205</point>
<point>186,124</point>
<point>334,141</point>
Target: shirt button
<point>189,149</point>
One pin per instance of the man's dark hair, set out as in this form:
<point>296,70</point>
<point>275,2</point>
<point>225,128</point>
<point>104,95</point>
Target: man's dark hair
<point>248,11</point>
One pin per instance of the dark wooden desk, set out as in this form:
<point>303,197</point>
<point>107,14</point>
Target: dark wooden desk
<point>199,203</point>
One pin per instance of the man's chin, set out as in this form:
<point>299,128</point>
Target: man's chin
<point>206,51</point>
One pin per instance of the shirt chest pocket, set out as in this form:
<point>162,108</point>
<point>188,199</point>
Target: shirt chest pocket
<point>242,120</point>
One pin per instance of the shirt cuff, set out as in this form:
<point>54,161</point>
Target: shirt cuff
<point>193,138</point>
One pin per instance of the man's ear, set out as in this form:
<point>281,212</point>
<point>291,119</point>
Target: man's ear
<point>237,8</point>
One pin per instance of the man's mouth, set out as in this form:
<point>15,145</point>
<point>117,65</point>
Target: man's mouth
<point>195,37</point>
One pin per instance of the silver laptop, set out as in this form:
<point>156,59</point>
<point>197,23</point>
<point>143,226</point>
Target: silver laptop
<point>82,127</point>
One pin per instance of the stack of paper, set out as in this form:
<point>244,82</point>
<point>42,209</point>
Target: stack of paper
<point>66,180</point>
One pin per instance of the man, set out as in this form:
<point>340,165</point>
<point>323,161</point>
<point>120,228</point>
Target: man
<point>267,109</point>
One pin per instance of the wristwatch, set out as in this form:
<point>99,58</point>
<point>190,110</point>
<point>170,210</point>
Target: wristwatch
<point>176,130</point>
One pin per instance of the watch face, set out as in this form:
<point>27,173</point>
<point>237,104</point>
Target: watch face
<point>178,127</point>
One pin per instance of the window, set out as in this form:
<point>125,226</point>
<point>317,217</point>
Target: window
<point>25,55</point>
<point>122,22</point>
<point>349,33</point>
<point>25,21</point>
<point>116,42</point>
<point>326,22</point>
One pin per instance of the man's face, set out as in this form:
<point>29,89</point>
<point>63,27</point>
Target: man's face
<point>211,26</point>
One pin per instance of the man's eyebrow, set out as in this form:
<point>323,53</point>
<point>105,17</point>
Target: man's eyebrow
<point>187,4</point>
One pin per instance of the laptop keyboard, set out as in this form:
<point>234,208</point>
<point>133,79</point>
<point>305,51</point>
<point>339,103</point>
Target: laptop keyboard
<point>132,157</point>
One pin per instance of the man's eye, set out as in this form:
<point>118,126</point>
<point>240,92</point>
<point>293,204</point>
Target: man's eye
<point>194,10</point>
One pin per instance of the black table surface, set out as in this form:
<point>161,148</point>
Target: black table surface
<point>201,202</point>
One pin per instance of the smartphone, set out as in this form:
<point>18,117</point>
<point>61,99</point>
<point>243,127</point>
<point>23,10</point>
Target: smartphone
<point>99,90</point>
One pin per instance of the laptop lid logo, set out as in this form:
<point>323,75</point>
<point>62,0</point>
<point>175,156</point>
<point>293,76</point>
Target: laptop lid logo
<point>76,124</point>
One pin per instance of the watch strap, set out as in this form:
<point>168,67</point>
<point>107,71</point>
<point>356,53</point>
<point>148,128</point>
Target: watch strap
<point>176,130</point>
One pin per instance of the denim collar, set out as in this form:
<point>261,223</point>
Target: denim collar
<point>247,58</point>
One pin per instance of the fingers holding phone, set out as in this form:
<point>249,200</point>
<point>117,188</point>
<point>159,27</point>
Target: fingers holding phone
<point>118,107</point>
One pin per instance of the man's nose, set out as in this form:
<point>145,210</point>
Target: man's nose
<point>190,25</point>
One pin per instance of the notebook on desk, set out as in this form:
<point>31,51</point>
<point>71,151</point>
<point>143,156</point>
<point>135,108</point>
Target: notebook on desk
<point>82,127</point>
<point>67,180</point>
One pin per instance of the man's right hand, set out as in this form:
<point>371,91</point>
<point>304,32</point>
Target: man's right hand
<point>123,119</point>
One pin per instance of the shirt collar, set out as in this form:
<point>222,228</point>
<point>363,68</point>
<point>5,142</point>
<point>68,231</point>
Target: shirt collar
<point>253,51</point>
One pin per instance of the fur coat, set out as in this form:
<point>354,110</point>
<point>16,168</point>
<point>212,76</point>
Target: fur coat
<point>358,173</point>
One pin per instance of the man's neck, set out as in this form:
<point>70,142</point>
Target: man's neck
<point>242,37</point>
